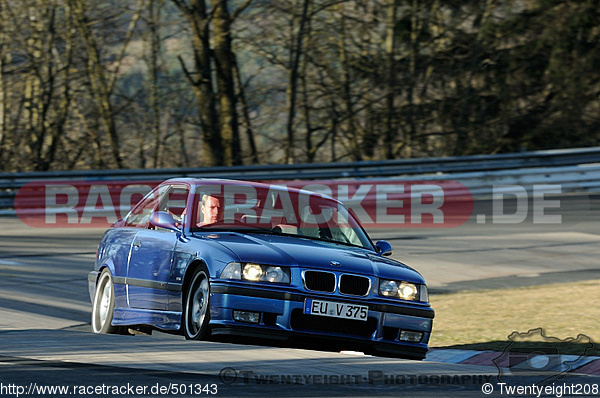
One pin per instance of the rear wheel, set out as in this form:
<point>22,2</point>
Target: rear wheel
<point>196,308</point>
<point>104,305</point>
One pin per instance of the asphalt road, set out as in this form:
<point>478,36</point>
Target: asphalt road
<point>45,311</point>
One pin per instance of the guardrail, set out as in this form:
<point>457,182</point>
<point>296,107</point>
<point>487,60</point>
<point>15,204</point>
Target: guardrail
<point>574,169</point>
<point>550,158</point>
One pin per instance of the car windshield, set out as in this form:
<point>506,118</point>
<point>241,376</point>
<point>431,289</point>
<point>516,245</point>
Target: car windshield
<point>271,209</point>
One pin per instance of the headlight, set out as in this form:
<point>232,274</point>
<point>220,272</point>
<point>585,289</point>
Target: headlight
<point>252,272</point>
<point>232,271</point>
<point>277,274</point>
<point>403,290</point>
<point>388,288</point>
<point>256,272</point>
<point>408,291</point>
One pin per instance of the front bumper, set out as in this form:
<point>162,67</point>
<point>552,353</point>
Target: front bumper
<point>282,317</point>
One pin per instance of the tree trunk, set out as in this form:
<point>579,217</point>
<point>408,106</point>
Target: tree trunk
<point>3,96</point>
<point>154,18</point>
<point>245,113</point>
<point>410,137</point>
<point>65,101</point>
<point>198,19</point>
<point>98,80</point>
<point>228,121</point>
<point>390,49</point>
<point>355,147</point>
<point>295,54</point>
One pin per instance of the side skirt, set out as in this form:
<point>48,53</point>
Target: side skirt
<point>166,320</point>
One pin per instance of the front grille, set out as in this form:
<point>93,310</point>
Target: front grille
<point>319,281</point>
<point>354,285</point>
<point>316,323</point>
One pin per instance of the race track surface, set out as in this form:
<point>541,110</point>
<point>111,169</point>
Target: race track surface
<point>45,316</point>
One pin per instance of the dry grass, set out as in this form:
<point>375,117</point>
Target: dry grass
<point>484,319</point>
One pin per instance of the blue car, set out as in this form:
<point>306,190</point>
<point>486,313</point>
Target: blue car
<point>210,257</point>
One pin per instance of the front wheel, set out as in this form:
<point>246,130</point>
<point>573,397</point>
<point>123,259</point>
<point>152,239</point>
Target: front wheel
<point>104,305</point>
<point>196,314</point>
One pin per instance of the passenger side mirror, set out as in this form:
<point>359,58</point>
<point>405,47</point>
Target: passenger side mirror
<point>162,219</point>
<point>383,248</point>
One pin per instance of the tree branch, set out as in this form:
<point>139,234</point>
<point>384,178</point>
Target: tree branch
<point>187,73</point>
<point>240,10</point>
<point>130,29</point>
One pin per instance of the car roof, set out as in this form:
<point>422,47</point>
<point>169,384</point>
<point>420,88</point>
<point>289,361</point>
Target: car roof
<point>194,182</point>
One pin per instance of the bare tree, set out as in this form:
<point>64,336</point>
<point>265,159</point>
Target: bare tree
<point>245,113</point>
<point>153,31</point>
<point>102,81</point>
<point>4,54</point>
<point>224,68</point>
<point>298,25</point>
<point>195,11</point>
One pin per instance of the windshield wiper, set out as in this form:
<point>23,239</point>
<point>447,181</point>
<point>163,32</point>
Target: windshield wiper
<point>234,228</point>
<point>330,240</point>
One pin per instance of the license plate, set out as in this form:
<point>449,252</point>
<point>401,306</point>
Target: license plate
<point>336,310</point>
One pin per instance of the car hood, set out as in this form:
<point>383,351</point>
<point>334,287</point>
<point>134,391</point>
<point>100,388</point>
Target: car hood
<point>308,253</point>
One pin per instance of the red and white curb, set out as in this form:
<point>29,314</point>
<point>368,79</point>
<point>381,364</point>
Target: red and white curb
<point>558,363</point>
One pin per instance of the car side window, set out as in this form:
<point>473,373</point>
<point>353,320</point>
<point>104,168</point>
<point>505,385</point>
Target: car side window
<point>139,217</point>
<point>173,202</point>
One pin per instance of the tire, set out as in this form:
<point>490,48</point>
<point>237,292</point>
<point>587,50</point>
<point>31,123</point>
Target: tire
<point>104,305</point>
<point>196,306</point>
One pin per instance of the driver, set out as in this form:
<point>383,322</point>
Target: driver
<point>211,209</point>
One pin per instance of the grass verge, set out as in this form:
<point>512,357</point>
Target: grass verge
<point>566,316</point>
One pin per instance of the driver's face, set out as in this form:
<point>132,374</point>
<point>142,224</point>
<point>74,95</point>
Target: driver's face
<point>211,210</point>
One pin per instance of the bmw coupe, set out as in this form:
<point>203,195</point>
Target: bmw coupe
<point>204,257</point>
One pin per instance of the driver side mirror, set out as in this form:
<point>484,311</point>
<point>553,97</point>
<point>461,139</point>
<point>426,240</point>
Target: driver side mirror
<point>383,247</point>
<point>162,219</point>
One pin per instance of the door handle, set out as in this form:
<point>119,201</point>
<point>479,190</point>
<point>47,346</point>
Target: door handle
<point>137,244</point>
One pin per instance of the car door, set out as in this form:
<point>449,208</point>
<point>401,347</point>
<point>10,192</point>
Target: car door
<point>150,262</point>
